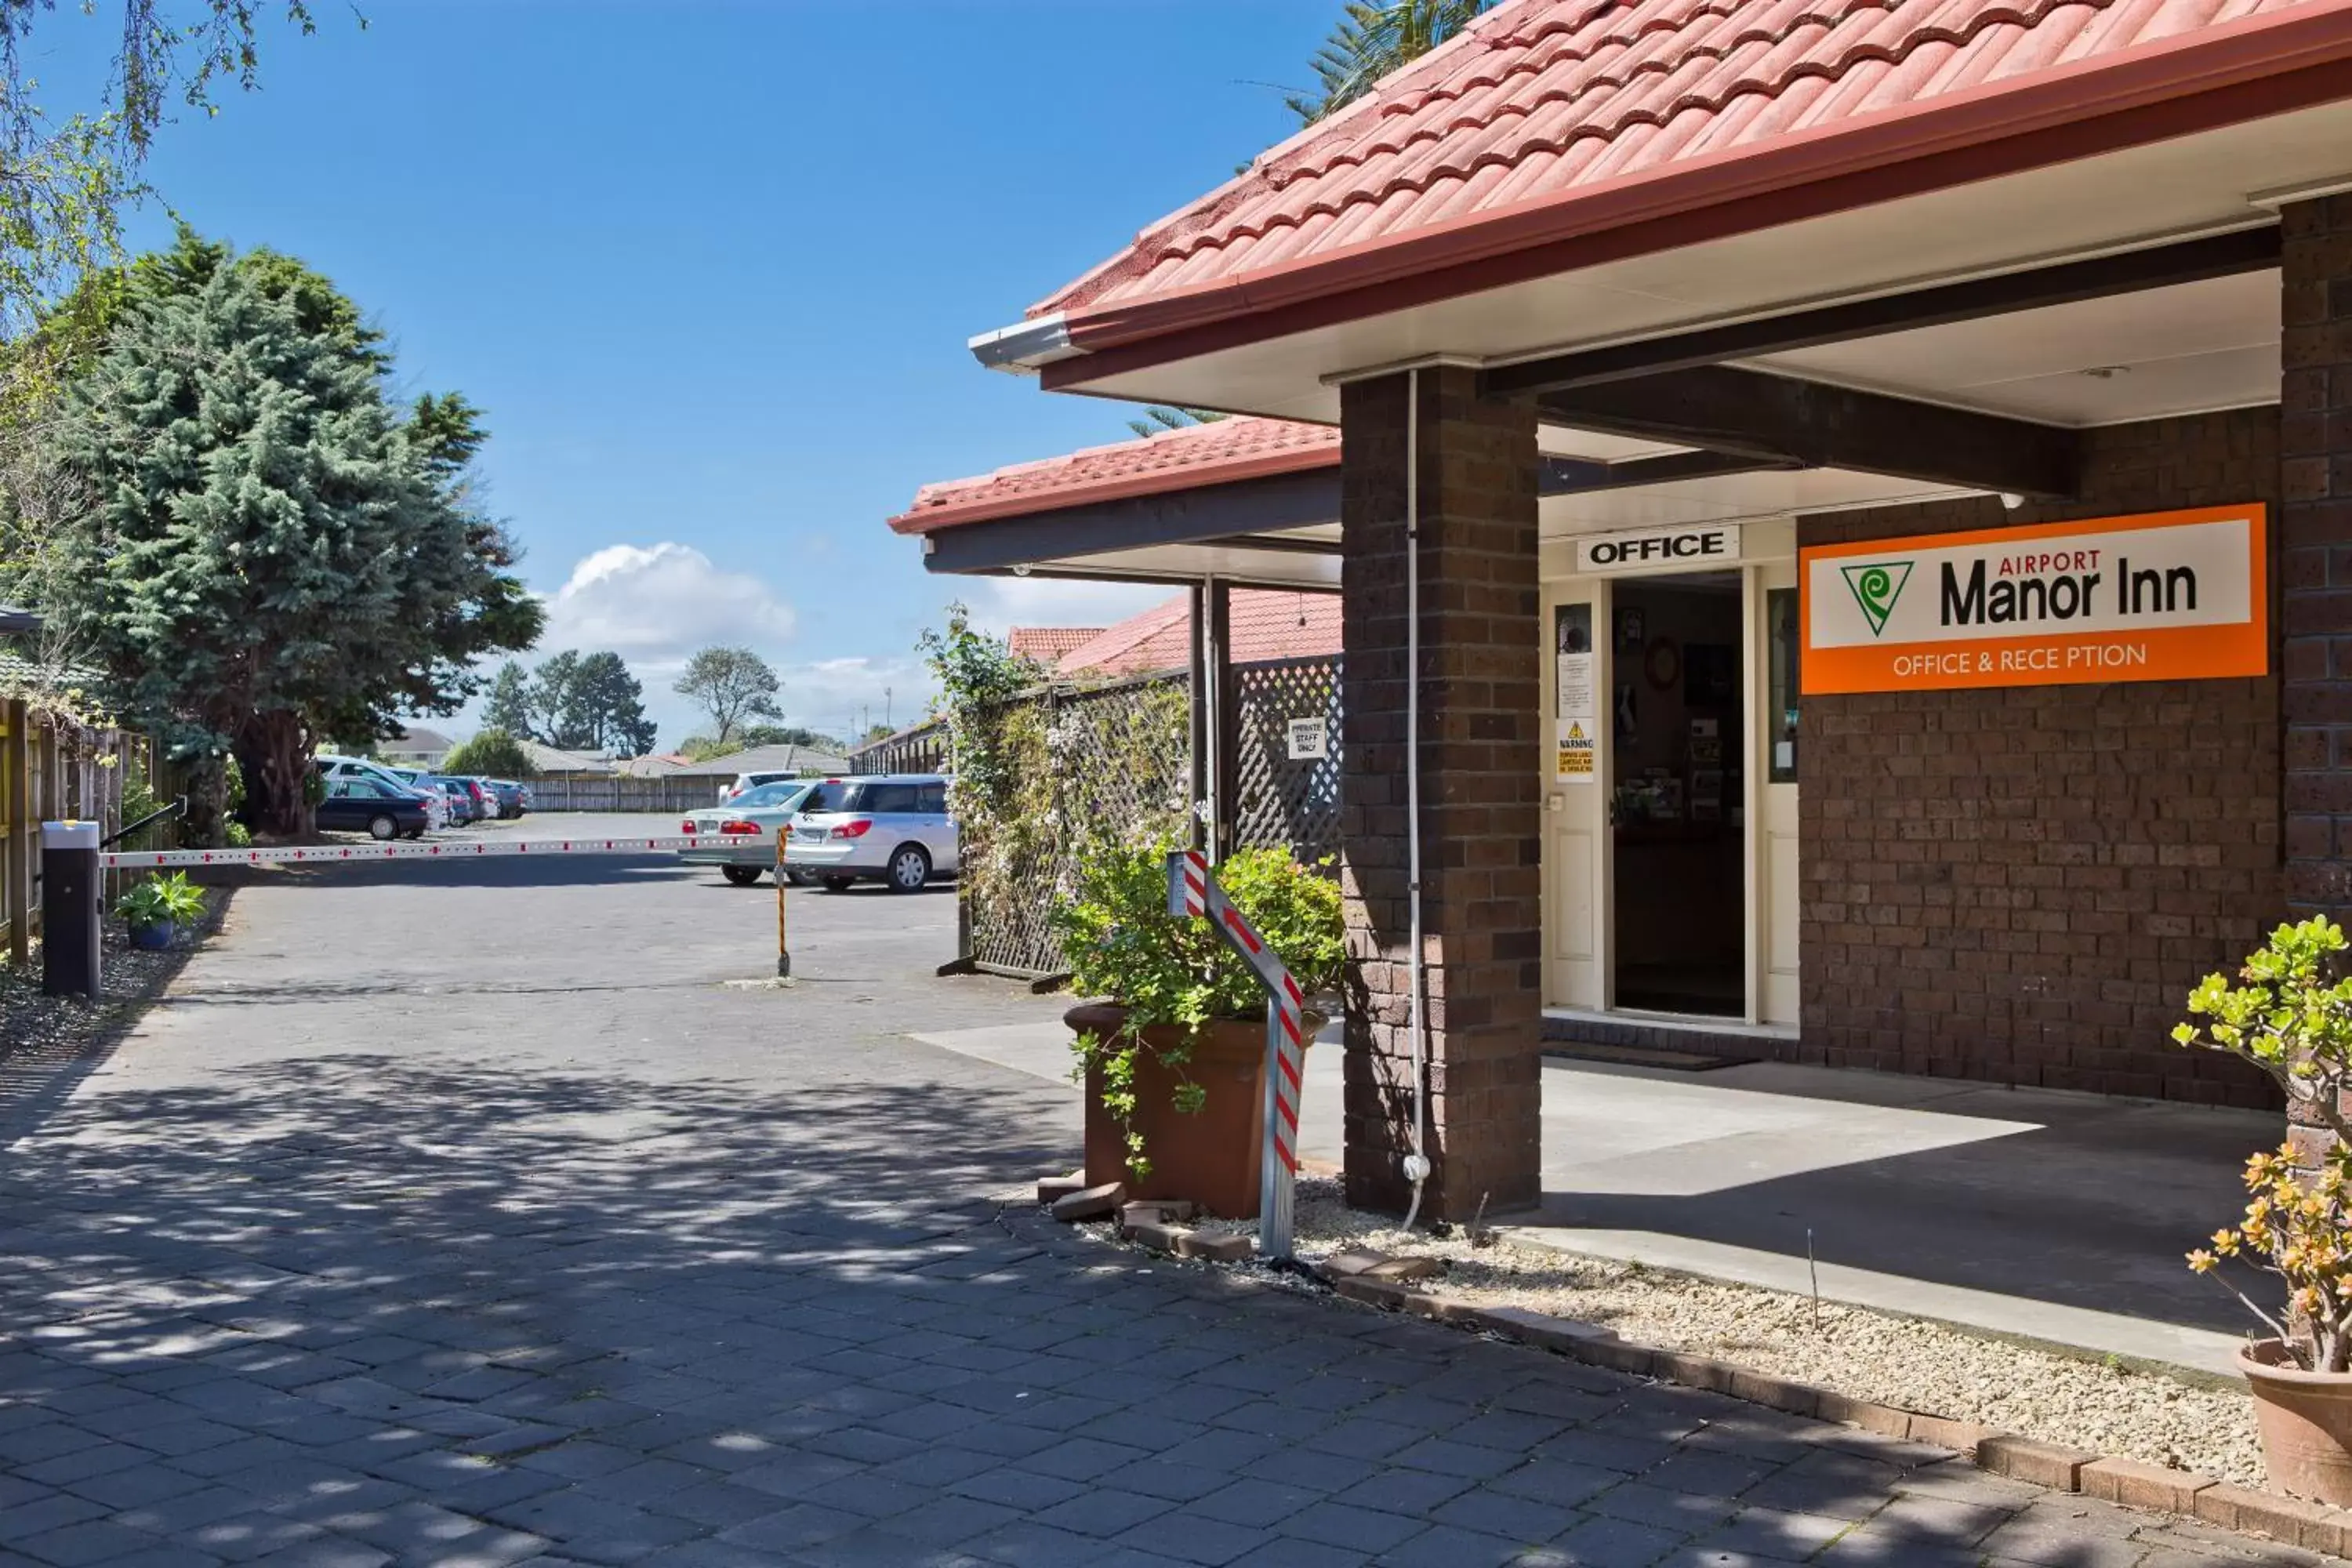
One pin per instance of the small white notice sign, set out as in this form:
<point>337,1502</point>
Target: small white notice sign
<point>1310,739</point>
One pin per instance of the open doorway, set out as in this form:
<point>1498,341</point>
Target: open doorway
<point>1677,806</point>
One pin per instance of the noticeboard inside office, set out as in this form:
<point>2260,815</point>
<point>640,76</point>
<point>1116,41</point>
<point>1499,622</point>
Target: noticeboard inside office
<point>2168,596</point>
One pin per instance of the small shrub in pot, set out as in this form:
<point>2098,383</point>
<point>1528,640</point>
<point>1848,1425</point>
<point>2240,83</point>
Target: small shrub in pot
<point>1179,998</point>
<point>2291,1015</point>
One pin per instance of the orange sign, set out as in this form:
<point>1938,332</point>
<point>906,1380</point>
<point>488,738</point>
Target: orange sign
<point>2173,595</point>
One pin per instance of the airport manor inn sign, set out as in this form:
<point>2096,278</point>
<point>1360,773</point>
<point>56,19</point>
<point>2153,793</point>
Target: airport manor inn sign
<point>2169,596</point>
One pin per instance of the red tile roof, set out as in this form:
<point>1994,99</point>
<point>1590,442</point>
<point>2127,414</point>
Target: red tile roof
<point>1220,452</point>
<point>1046,645</point>
<point>1551,120</point>
<point>1267,624</point>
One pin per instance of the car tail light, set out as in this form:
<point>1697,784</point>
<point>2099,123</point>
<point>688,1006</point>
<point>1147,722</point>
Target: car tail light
<point>852,829</point>
<point>739,827</point>
<point>687,826</point>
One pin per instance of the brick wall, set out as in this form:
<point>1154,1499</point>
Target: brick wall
<point>1480,794</point>
<point>2021,884</point>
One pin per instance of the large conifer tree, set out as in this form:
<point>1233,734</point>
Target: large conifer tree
<point>270,552</point>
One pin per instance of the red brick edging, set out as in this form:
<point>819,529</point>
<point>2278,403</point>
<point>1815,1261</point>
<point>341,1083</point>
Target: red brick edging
<point>2126,1481</point>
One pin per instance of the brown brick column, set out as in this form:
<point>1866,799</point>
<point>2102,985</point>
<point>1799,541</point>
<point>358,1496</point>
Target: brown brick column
<point>1482,917</point>
<point>2315,552</point>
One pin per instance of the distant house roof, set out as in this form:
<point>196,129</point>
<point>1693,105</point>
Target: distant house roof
<point>547,760</point>
<point>654,765</point>
<point>1267,624</point>
<point>1220,452</point>
<point>420,739</point>
<point>769,760</point>
<point>1046,645</point>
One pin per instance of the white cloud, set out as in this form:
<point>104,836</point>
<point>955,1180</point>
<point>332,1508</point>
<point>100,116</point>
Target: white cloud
<point>1000,603</point>
<point>654,604</point>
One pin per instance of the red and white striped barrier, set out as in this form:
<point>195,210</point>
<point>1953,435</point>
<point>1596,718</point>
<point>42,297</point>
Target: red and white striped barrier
<point>1192,891</point>
<point>342,854</point>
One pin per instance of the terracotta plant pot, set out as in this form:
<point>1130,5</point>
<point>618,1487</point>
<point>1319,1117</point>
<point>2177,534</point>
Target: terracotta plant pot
<point>1212,1157</point>
<point>2306,1419</point>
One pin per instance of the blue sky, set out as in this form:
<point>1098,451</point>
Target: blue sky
<point>711,268</point>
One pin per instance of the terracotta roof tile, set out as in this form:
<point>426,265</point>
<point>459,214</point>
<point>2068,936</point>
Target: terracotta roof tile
<point>1046,645</point>
<point>1219,452</point>
<point>1267,624</point>
<point>1541,100</point>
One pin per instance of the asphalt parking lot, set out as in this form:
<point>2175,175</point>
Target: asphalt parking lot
<point>464,1213</point>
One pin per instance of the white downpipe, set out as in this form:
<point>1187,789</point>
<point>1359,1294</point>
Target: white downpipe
<point>1416,1164</point>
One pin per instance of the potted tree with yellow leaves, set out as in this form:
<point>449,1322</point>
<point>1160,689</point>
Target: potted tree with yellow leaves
<point>1173,1057</point>
<point>2292,1016</point>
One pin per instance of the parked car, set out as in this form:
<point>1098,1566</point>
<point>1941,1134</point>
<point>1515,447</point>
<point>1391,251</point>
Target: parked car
<point>485,804</point>
<point>892,828</point>
<point>510,796</point>
<point>378,807</point>
<point>437,805</point>
<point>744,781</point>
<point>332,768</point>
<point>459,798</point>
<point>739,838</point>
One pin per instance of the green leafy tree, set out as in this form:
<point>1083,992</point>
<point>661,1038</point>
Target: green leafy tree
<point>731,685</point>
<point>1159,416</point>
<point>268,550</point>
<point>508,707</point>
<point>588,702</point>
<point>491,753</point>
<point>1372,39</point>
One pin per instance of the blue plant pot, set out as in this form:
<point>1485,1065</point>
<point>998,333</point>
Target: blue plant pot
<point>154,937</point>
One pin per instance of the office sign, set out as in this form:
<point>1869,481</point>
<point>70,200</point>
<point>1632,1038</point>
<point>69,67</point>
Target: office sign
<point>2170,596</point>
<point>1310,739</point>
<point>1658,550</point>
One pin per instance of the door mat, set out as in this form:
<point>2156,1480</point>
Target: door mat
<point>1640,1056</point>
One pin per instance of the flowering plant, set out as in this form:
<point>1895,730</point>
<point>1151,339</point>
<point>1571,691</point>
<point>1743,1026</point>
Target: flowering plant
<point>2292,1016</point>
<point>2296,1229</point>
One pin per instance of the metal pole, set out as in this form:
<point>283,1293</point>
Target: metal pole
<point>783,946</point>
<point>1274,1183</point>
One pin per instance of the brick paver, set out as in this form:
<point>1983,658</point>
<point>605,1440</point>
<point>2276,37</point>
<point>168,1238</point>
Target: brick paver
<point>538,1245</point>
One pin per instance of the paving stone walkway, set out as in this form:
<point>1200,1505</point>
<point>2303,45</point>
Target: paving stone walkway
<point>565,1253</point>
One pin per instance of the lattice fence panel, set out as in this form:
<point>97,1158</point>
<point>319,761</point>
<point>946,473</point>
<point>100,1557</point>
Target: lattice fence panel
<point>1116,765</point>
<point>1277,801</point>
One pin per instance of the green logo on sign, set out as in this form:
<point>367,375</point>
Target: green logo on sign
<point>1875,587</point>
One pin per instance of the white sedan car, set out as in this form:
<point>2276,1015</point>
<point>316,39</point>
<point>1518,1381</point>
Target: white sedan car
<point>739,838</point>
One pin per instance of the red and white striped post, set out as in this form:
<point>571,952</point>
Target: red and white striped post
<point>1192,891</point>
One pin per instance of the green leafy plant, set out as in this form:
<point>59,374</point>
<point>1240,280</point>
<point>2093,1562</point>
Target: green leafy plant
<point>161,900</point>
<point>2291,1017</point>
<point>1167,969</point>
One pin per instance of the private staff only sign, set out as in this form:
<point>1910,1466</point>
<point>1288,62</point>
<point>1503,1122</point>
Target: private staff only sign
<point>2169,596</point>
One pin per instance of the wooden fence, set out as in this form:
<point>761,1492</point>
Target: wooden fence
<point>39,781</point>
<point>610,792</point>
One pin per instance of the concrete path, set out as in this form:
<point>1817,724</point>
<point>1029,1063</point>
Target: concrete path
<point>2058,1216</point>
<point>464,1215</point>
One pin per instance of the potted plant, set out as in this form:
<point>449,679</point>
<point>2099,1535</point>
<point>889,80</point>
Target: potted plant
<point>1174,1059</point>
<point>2292,1018</point>
<point>158,907</point>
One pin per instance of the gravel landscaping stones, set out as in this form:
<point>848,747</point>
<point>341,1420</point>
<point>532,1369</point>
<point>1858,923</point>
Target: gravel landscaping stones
<point>2176,1422</point>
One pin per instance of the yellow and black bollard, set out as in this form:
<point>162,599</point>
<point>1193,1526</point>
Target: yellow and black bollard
<point>784,945</point>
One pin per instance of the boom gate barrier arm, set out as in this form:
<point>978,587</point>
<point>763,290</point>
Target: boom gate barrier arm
<point>1193,889</point>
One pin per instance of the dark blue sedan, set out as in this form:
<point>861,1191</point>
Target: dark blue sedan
<point>363,805</point>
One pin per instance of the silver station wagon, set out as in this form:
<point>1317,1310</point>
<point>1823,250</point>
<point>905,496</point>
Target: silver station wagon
<point>891,828</point>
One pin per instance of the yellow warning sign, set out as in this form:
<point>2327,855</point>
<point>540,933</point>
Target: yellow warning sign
<point>1575,752</point>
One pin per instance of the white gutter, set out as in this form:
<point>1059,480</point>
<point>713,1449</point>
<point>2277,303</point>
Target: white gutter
<point>1025,347</point>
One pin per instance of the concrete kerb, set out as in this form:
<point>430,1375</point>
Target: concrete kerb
<point>2129,1482</point>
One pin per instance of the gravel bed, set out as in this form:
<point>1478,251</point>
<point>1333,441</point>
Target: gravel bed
<point>1920,1365</point>
<point>38,1032</point>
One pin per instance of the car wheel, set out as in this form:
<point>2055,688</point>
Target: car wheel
<point>910,869</point>
<point>383,828</point>
<point>839,884</point>
<point>799,879</point>
<point>741,876</point>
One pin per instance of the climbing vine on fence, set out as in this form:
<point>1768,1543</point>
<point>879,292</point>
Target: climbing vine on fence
<point>1042,771</point>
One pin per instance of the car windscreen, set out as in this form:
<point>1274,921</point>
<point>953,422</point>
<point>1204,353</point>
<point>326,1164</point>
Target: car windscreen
<point>768,794</point>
